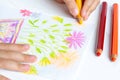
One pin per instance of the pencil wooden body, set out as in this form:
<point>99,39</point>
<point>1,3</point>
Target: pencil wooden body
<point>114,41</point>
<point>102,29</point>
<point>79,5</point>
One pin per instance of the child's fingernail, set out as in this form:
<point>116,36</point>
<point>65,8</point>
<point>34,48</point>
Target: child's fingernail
<point>26,46</point>
<point>25,67</point>
<point>74,12</point>
<point>83,13</point>
<point>33,58</point>
<point>86,17</point>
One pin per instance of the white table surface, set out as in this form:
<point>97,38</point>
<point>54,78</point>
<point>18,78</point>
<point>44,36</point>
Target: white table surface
<point>93,68</point>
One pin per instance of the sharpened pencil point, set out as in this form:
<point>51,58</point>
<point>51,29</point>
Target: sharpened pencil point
<point>79,5</point>
<point>80,20</point>
<point>98,53</point>
<point>113,59</point>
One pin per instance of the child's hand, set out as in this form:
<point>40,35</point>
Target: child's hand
<point>12,57</point>
<point>3,78</point>
<point>88,7</point>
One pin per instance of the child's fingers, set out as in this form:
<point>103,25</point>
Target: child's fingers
<point>60,1</point>
<point>16,56</point>
<point>13,65</point>
<point>14,47</point>
<point>3,78</point>
<point>88,7</point>
<point>71,4</point>
<point>92,8</point>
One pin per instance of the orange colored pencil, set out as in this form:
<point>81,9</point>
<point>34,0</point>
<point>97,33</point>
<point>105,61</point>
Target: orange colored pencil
<point>114,41</point>
<point>79,5</point>
<point>102,26</point>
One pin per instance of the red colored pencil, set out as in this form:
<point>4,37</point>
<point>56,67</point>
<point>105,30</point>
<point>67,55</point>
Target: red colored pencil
<point>102,25</point>
<point>114,41</point>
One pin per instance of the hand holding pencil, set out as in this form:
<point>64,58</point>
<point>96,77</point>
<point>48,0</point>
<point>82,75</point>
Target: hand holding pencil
<point>88,6</point>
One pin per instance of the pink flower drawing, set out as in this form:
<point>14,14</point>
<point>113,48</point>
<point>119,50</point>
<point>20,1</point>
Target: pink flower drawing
<point>25,12</point>
<point>76,39</point>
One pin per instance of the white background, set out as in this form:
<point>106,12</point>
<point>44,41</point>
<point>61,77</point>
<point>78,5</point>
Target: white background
<point>93,68</point>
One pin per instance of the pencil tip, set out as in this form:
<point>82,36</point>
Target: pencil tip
<point>80,20</point>
<point>98,53</point>
<point>113,59</point>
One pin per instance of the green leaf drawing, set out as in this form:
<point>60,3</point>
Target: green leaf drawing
<point>42,41</point>
<point>55,25</point>
<point>52,55</point>
<point>44,61</point>
<point>46,30</point>
<point>62,51</point>
<point>52,37</point>
<point>32,35</point>
<point>35,21</point>
<point>56,30</point>
<point>44,21</point>
<point>68,25</point>
<point>64,47</point>
<point>68,30</point>
<point>30,21</point>
<point>38,50</point>
<point>59,19</point>
<point>31,41</point>
<point>67,35</point>
<point>36,26</point>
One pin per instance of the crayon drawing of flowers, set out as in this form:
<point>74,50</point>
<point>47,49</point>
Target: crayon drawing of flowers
<point>44,61</point>
<point>76,39</point>
<point>25,12</point>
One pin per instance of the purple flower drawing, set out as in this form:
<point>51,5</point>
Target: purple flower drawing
<point>76,39</point>
<point>5,40</point>
<point>14,24</point>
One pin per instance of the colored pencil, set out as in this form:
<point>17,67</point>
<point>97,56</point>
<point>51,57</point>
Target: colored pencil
<point>102,26</point>
<point>114,41</point>
<point>79,5</point>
